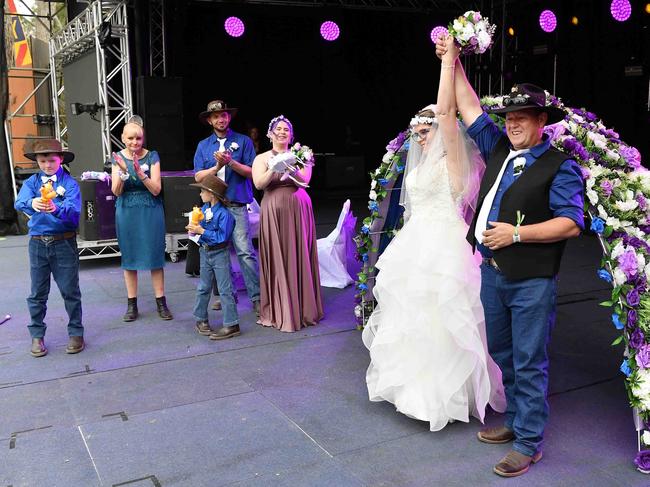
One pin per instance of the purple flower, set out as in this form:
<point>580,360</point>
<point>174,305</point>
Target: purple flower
<point>636,339</point>
<point>628,264</point>
<point>606,186</point>
<point>569,143</point>
<point>643,203</point>
<point>631,318</point>
<point>585,173</point>
<point>633,298</point>
<point>643,356</point>
<point>591,116</point>
<point>642,461</point>
<point>631,156</point>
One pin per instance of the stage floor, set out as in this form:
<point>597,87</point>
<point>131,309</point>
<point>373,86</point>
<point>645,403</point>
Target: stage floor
<point>152,403</point>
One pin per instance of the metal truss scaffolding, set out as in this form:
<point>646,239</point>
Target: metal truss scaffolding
<point>157,47</point>
<point>391,5</point>
<point>102,27</point>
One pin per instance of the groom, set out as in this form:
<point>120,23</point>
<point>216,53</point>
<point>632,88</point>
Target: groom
<point>529,203</point>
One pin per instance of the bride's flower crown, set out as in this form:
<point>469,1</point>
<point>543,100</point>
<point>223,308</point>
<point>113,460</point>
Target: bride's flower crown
<point>418,120</point>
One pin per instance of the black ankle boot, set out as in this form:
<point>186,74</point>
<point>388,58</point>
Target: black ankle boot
<point>131,310</point>
<point>163,310</point>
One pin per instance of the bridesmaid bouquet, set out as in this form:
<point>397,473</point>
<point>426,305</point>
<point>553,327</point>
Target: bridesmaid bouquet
<point>296,158</point>
<point>472,32</point>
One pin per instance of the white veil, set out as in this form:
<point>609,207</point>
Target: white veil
<point>464,176</point>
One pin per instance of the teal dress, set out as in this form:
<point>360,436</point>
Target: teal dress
<point>140,221</point>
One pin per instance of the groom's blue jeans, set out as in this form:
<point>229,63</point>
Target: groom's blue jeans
<point>519,316</point>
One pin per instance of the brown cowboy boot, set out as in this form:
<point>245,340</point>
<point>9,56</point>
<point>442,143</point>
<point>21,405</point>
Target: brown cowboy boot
<point>38,348</point>
<point>515,464</point>
<point>497,435</point>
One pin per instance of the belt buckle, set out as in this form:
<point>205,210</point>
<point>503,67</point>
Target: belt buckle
<point>47,239</point>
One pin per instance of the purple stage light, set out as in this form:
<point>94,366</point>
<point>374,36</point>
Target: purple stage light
<point>621,10</point>
<point>438,31</point>
<point>234,26</point>
<point>329,30</point>
<point>547,21</point>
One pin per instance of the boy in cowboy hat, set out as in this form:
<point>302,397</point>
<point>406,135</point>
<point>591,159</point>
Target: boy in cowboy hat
<point>53,244</point>
<point>530,202</point>
<point>229,155</point>
<point>215,232</point>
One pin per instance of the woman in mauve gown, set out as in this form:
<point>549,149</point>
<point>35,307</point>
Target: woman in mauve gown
<point>290,294</point>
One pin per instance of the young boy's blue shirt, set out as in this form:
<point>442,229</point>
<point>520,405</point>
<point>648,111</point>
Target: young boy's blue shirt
<point>68,204</point>
<point>218,224</point>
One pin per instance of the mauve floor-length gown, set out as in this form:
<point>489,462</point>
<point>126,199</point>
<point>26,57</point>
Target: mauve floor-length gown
<point>289,277</point>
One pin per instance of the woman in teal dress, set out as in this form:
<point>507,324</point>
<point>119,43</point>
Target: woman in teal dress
<point>139,218</point>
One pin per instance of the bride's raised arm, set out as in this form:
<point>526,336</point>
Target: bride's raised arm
<point>446,115</point>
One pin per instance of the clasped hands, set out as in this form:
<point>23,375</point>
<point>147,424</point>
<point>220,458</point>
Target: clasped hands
<point>223,158</point>
<point>446,49</point>
<point>136,165</point>
<point>499,236</point>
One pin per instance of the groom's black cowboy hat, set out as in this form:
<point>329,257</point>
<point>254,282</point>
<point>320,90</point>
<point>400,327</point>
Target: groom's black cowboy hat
<point>216,106</point>
<point>526,95</point>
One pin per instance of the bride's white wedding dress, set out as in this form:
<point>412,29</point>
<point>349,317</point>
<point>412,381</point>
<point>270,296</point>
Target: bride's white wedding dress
<point>426,337</point>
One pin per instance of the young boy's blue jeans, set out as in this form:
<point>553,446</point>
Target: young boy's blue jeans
<point>215,264</point>
<point>60,258</point>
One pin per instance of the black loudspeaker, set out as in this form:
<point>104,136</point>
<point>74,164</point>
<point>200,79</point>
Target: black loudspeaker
<point>160,104</point>
<point>178,199</point>
<point>344,171</point>
<point>97,219</point>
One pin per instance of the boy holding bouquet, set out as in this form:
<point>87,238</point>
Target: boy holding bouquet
<point>213,234</point>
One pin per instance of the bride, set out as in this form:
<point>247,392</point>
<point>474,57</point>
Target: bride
<point>426,336</point>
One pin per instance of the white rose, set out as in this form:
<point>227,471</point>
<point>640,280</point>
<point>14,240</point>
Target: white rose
<point>144,167</point>
<point>613,222</point>
<point>640,260</point>
<point>627,205</point>
<point>647,271</point>
<point>373,195</point>
<point>373,185</point>
<point>484,40</point>
<point>593,197</point>
<point>619,277</point>
<point>646,438</point>
<point>60,190</point>
<point>386,158</point>
<point>458,26</point>
<point>578,118</point>
<point>614,156</point>
<point>602,213</point>
<point>234,146</point>
<point>617,250</point>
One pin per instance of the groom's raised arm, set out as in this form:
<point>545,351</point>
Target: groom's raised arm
<point>468,103</point>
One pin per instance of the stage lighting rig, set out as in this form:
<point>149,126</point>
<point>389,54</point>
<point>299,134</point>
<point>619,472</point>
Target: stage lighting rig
<point>89,108</point>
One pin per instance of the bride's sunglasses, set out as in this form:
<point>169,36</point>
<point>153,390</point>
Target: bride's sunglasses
<point>420,135</point>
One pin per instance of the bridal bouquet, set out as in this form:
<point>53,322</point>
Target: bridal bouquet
<point>296,158</point>
<point>472,32</point>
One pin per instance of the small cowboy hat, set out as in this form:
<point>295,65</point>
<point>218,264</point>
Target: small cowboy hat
<point>216,106</point>
<point>526,95</point>
<point>215,185</point>
<point>49,146</point>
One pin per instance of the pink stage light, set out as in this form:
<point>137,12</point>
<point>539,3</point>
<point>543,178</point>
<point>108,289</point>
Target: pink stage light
<point>234,26</point>
<point>621,10</point>
<point>438,31</point>
<point>547,21</point>
<point>329,30</point>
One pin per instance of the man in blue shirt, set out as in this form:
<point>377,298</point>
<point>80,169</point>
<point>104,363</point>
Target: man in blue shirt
<point>529,203</point>
<point>53,244</point>
<point>215,232</point>
<point>229,155</point>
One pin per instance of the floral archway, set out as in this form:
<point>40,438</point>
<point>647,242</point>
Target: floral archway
<point>617,204</point>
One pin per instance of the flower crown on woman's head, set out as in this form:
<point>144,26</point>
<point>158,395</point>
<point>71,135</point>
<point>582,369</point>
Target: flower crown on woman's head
<point>417,120</point>
<point>277,120</point>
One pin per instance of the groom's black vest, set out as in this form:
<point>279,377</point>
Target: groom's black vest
<point>530,195</point>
